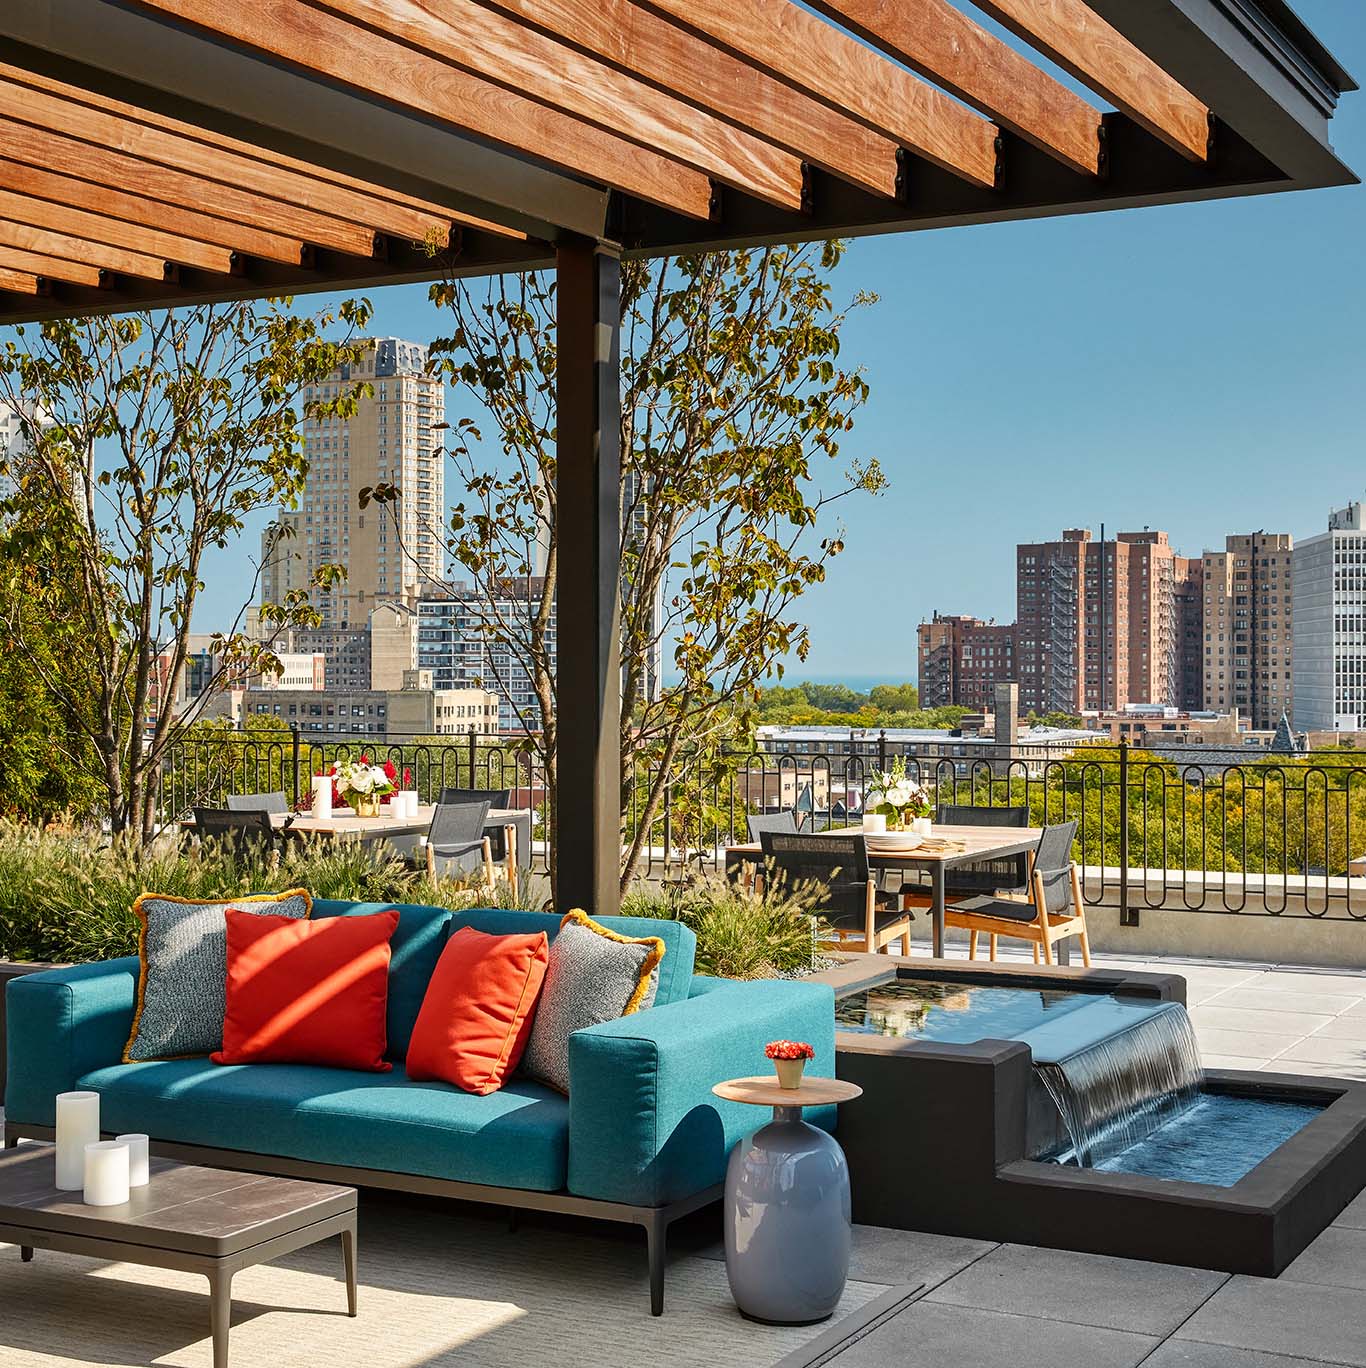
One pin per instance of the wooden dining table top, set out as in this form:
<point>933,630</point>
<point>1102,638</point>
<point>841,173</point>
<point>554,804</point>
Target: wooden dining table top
<point>960,844</point>
<point>348,824</point>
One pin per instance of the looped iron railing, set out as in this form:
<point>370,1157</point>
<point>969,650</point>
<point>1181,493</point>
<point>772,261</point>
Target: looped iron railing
<point>1271,836</point>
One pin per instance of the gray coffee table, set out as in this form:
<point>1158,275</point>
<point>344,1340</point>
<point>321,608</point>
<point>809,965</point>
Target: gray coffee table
<point>198,1220</point>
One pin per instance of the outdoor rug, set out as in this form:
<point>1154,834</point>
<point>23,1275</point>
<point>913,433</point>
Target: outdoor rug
<point>439,1285</point>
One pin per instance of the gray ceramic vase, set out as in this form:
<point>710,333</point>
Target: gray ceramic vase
<point>787,1222</point>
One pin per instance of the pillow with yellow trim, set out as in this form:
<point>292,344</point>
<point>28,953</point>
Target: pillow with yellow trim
<point>593,975</point>
<point>183,972</point>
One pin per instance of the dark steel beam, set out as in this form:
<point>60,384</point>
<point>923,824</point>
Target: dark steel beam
<point>1256,65</point>
<point>124,52</point>
<point>588,494</point>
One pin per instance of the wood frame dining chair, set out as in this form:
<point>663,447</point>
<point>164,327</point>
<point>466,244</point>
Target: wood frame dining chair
<point>456,834</point>
<point>502,839</point>
<point>1053,911</point>
<point>858,916</point>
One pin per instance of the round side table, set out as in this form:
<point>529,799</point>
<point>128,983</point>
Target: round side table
<point>787,1205</point>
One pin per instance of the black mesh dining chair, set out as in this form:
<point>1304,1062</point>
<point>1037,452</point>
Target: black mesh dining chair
<point>759,822</point>
<point>1009,875</point>
<point>258,802</point>
<point>502,837</point>
<point>859,916</point>
<point>456,844</point>
<point>244,833</point>
<point>1053,911</point>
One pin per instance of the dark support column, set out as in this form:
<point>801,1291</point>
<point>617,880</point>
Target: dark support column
<point>588,481</point>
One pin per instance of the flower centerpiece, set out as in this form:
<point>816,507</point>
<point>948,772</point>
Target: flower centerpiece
<point>789,1059</point>
<point>362,785</point>
<point>896,796</point>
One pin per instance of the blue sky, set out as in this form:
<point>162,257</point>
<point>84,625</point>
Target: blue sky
<point>1200,369</point>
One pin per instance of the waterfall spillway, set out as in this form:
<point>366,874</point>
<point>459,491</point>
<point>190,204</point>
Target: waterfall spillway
<point>1119,1074</point>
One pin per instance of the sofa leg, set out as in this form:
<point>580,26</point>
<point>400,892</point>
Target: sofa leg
<point>11,1138</point>
<point>656,1238</point>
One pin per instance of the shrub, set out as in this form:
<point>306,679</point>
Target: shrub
<point>67,898</point>
<point>740,934</point>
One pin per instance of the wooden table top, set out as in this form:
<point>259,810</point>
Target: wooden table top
<point>185,1208</point>
<point>961,844</point>
<point>763,1090</point>
<point>346,823</point>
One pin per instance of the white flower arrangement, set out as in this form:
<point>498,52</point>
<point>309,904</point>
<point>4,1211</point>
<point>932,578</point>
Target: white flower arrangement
<point>895,794</point>
<point>364,780</point>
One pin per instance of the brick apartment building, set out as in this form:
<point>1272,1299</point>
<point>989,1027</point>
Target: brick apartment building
<point>1104,624</point>
<point>962,659</point>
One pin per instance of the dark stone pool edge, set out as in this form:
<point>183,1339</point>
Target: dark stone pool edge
<point>939,1142</point>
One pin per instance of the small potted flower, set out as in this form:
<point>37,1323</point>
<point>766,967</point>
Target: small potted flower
<point>789,1059</point>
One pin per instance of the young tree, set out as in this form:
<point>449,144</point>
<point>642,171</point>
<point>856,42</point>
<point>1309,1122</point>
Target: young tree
<point>164,433</point>
<point>734,405</point>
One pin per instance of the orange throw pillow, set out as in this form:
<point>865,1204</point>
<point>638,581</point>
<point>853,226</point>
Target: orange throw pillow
<point>307,992</point>
<point>477,1013</point>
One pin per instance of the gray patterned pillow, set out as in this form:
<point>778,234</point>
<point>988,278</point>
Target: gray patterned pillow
<point>593,975</point>
<point>183,946</point>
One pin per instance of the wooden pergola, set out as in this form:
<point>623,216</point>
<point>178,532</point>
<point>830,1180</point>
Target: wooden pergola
<point>161,152</point>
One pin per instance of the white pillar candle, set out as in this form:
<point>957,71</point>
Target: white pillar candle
<point>322,795</point>
<point>106,1173</point>
<point>410,803</point>
<point>139,1159</point>
<point>78,1125</point>
<point>874,823</point>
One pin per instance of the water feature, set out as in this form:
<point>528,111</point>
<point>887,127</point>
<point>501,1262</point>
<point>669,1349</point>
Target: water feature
<point>955,1012</point>
<point>1114,1091</point>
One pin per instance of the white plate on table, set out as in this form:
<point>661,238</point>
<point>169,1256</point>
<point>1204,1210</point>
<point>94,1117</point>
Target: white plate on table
<point>894,840</point>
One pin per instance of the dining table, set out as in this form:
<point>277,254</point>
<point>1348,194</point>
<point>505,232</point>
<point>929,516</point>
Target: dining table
<point>945,847</point>
<point>401,832</point>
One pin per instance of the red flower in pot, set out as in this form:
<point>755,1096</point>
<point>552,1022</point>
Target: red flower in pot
<point>789,1059</point>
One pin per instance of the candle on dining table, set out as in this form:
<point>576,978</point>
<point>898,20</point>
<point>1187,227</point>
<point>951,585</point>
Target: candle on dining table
<point>139,1159</point>
<point>874,823</point>
<point>322,795</point>
<point>410,803</point>
<point>106,1173</point>
<point>78,1125</point>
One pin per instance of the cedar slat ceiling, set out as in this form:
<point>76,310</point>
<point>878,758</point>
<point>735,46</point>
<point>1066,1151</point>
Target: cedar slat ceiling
<point>702,116</point>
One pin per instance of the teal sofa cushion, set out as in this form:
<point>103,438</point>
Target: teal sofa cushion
<point>415,948</point>
<point>517,1137</point>
<point>680,945</point>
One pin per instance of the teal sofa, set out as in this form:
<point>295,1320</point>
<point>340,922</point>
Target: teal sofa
<point>639,1139</point>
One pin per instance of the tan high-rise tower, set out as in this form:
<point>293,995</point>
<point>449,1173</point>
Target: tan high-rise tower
<point>391,553</point>
<point>1248,627</point>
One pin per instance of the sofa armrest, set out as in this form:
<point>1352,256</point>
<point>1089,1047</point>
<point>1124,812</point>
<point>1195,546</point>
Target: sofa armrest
<point>60,1024</point>
<point>644,1127</point>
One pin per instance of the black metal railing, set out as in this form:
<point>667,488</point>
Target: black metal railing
<point>1156,829</point>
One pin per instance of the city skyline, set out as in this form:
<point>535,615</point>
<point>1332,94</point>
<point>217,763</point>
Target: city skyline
<point>1006,396</point>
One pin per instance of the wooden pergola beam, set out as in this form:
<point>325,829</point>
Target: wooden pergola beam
<point>945,46</point>
<point>110,168</point>
<point>68,248</point>
<point>30,104</point>
<point>19,282</point>
<point>322,44</point>
<point>793,46</point>
<point>431,214</point>
<point>1073,35</point>
<point>489,45</point>
<point>112,232</point>
<point>49,267</point>
<point>50,190</point>
<point>636,41</point>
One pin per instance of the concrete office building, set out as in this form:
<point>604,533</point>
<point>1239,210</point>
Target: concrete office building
<point>1248,627</point>
<point>1330,626</point>
<point>391,440</point>
<point>417,709</point>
